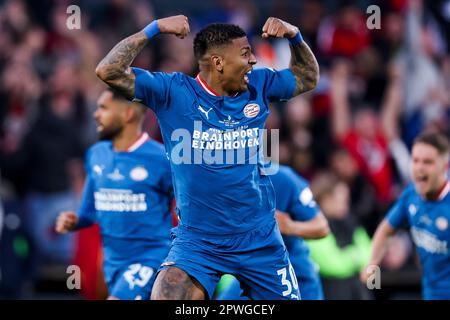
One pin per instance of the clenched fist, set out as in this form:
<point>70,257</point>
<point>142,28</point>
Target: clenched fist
<point>66,221</point>
<point>278,28</point>
<point>177,25</point>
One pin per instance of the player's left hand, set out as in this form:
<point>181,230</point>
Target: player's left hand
<point>278,28</point>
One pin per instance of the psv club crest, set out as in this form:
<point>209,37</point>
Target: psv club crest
<point>139,173</point>
<point>251,110</point>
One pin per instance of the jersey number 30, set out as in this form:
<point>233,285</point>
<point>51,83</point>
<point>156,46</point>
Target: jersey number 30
<point>289,284</point>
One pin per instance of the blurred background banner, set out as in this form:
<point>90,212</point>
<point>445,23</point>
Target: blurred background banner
<point>378,89</point>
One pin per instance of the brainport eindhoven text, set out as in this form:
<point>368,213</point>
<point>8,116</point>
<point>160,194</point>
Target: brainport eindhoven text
<point>242,145</point>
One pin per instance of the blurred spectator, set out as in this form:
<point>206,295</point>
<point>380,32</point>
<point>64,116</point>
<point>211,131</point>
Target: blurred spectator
<point>311,15</point>
<point>241,12</point>
<point>426,99</point>
<point>44,162</point>
<point>346,250</point>
<point>297,117</point>
<point>363,201</point>
<point>390,39</point>
<point>14,248</point>
<point>344,34</point>
<point>360,134</point>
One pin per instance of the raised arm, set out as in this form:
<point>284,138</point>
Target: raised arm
<point>115,69</point>
<point>379,245</point>
<point>392,102</point>
<point>390,119</point>
<point>341,114</point>
<point>303,63</point>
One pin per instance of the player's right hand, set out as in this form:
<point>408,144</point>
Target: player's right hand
<point>177,25</point>
<point>66,221</point>
<point>366,272</point>
<point>278,28</point>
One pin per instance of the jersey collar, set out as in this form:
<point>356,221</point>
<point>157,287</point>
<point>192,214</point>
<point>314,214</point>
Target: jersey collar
<point>207,88</point>
<point>445,190</point>
<point>139,142</point>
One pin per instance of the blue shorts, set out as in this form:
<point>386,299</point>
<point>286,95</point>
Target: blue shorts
<point>258,259</point>
<point>133,282</point>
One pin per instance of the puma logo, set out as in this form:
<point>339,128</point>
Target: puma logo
<point>204,111</point>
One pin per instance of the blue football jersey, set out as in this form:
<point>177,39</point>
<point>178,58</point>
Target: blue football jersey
<point>428,222</point>
<point>214,144</point>
<point>129,194</point>
<point>293,196</point>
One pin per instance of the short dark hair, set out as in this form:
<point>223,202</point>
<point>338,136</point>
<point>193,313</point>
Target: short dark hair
<point>116,95</point>
<point>436,140</point>
<point>214,35</point>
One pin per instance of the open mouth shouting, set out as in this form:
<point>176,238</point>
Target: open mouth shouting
<point>421,180</point>
<point>245,78</point>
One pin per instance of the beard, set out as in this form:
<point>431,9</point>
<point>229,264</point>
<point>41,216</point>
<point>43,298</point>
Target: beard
<point>109,133</point>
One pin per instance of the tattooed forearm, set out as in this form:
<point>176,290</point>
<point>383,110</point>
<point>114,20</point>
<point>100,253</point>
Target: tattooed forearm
<point>115,69</point>
<point>305,68</point>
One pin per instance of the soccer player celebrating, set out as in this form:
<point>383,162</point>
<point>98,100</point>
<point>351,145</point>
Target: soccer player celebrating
<point>298,217</point>
<point>424,208</point>
<point>128,191</point>
<point>211,129</point>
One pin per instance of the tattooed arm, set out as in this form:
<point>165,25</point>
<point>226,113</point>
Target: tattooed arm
<point>303,64</point>
<point>305,68</point>
<point>115,69</point>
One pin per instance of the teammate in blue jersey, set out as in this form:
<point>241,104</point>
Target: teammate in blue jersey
<point>128,191</point>
<point>211,126</point>
<point>424,208</point>
<point>298,217</point>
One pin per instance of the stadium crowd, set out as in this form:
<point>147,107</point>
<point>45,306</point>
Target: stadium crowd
<point>378,90</point>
